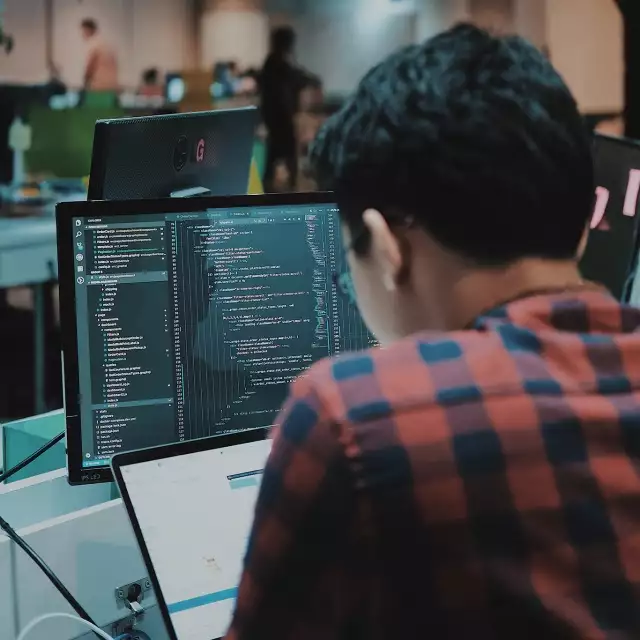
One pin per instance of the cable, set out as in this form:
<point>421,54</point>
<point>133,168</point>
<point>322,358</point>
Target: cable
<point>34,623</point>
<point>34,456</point>
<point>75,605</point>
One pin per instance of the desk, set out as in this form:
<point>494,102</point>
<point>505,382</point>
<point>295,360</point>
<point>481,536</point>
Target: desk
<point>28,257</point>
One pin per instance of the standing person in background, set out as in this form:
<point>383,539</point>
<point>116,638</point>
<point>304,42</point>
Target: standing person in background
<point>281,82</point>
<point>101,71</point>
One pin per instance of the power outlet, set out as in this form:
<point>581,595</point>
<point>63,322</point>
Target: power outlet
<point>122,593</point>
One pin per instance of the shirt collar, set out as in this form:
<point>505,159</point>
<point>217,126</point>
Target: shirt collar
<point>583,308</point>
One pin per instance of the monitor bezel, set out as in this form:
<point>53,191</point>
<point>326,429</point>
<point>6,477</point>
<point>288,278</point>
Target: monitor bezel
<point>129,458</point>
<point>65,212</point>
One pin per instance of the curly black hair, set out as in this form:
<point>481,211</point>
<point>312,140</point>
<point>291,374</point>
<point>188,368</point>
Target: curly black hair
<point>473,136</point>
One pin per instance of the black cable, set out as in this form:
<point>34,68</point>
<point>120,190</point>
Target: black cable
<point>34,456</point>
<point>42,565</point>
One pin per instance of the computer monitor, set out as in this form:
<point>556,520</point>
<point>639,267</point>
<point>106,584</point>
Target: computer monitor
<point>174,88</point>
<point>196,589</point>
<point>185,318</point>
<point>205,153</point>
<point>611,253</point>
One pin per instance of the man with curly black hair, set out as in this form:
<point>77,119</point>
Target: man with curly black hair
<point>479,476</point>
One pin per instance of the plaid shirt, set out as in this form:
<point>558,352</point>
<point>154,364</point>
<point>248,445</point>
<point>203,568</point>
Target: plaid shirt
<point>481,484</point>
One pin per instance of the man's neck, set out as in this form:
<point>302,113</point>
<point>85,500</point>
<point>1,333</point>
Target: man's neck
<point>479,290</point>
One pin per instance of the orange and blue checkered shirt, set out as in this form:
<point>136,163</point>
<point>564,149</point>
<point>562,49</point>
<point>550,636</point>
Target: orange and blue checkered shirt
<point>483,484</point>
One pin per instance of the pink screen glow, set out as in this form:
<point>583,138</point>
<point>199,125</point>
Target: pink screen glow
<point>602,200</point>
<point>633,189</point>
<point>630,201</point>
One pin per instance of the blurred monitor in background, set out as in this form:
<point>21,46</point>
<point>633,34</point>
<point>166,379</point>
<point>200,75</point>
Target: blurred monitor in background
<point>229,81</point>
<point>174,88</point>
<point>225,80</point>
<point>611,255</point>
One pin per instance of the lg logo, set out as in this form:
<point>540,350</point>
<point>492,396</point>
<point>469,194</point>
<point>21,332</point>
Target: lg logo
<point>200,150</point>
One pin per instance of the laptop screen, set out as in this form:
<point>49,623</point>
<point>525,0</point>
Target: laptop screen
<point>194,513</point>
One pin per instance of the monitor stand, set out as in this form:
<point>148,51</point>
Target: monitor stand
<point>191,192</point>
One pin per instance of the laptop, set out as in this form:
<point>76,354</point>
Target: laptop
<point>191,507</point>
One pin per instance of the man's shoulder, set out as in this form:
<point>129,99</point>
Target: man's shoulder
<point>426,369</point>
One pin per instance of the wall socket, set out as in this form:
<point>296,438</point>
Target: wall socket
<point>122,593</point>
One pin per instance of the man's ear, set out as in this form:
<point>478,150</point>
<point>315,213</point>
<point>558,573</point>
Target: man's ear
<point>385,248</point>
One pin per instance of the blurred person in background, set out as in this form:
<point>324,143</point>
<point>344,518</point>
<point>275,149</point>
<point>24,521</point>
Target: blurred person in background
<point>101,71</point>
<point>280,85</point>
<point>151,86</point>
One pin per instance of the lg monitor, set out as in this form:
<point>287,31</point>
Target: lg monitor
<point>186,318</point>
<point>206,153</point>
<point>611,254</point>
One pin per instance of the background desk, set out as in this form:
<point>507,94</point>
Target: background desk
<point>28,257</point>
